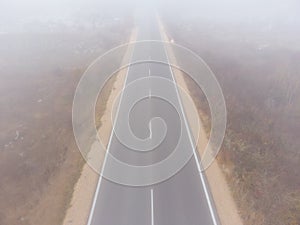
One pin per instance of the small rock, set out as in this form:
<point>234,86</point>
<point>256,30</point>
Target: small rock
<point>17,135</point>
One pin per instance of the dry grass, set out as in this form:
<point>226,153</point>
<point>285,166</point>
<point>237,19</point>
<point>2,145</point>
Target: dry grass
<point>39,159</point>
<point>260,154</point>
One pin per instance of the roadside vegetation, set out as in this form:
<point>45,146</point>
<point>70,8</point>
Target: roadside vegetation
<point>40,66</point>
<point>259,72</point>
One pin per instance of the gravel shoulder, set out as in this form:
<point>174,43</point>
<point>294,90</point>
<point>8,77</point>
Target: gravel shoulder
<point>84,190</point>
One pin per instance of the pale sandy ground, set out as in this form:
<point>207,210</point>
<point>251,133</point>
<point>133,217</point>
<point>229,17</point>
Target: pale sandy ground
<point>225,204</point>
<point>226,207</point>
<point>85,188</point>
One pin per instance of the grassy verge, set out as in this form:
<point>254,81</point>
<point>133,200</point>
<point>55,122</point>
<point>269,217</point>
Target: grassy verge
<point>259,156</point>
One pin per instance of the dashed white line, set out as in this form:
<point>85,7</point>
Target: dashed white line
<point>149,74</point>
<point>152,208</point>
<point>150,125</point>
<point>150,128</point>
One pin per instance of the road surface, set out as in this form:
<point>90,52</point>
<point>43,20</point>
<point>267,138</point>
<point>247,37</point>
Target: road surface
<point>184,198</point>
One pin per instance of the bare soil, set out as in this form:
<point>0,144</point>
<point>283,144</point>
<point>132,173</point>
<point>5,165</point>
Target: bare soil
<point>259,75</point>
<point>85,188</point>
<point>39,160</point>
<point>223,198</point>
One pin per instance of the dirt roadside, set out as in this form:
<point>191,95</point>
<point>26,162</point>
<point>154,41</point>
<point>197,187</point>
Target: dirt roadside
<point>225,204</point>
<point>84,190</point>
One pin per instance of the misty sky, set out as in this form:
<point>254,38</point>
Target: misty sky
<point>218,10</point>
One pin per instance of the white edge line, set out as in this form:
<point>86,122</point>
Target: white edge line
<point>150,93</point>
<point>191,140</point>
<point>152,208</point>
<point>109,143</point>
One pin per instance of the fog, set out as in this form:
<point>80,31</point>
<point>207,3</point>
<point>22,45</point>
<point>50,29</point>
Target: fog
<point>19,16</point>
<point>234,10</point>
<point>252,46</point>
<point>218,10</point>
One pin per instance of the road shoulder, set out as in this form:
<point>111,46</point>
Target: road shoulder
<point>84,190</point>
<point>219,188</point>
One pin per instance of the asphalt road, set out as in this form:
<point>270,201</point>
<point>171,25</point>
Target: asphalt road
<point>182,199</point>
